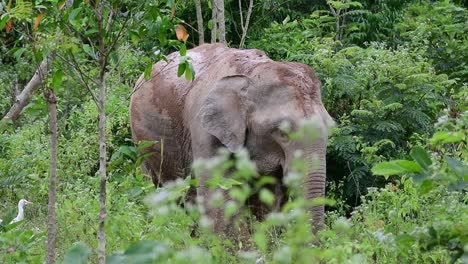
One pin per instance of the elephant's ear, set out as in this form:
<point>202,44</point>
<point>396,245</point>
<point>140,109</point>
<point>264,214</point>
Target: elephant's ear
<point>223,114</point>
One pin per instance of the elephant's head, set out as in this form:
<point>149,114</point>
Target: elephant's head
<point>248,111</point>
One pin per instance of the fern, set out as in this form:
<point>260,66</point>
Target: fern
<point>388,126</point>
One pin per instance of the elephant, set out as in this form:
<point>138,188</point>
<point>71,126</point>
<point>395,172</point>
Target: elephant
<point>238,99</point>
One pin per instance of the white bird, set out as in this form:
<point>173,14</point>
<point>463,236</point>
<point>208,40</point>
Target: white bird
<point>20,215</point>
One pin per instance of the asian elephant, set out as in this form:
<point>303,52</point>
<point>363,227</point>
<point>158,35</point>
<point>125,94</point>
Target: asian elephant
<point>238,99</point>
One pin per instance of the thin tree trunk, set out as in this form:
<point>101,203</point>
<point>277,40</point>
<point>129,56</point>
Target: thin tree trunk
<point>33,85</point>
<point>201,34</point>
<point>51,221</point>
<point>102,138</point>
<point>245,27</point>
<point>102,170</point>
<point>221,22</point>
<point>214,21</point>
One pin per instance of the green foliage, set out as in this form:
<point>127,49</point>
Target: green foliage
<point>400,105</point>
<point>439,28</point>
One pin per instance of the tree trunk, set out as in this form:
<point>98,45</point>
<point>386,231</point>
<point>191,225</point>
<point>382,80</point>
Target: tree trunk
<point>102,171</point>
<point>214,21</point>
<point>51,221</point>
<point>245,27</point>
<point>102,138</point>
<point>23,99</point>
<point>201,34</point>
<point>221,22</point>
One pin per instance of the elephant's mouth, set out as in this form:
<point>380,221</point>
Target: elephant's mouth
<point>260,209</point>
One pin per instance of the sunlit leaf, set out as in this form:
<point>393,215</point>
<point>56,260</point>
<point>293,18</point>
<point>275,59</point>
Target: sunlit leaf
<point>267,196</point>
<point>447,137</point>
<point>57,79</point>
<point>183,50</point>
<point>188,73</point>
<point>396,167</point>
<point>4,21</point>
<point>148,70</point>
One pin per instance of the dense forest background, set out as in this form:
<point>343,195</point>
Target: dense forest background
<point>394,78</point>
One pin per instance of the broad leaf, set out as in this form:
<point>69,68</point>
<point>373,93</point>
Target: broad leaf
<point>396,167</point>
<point>447,137</point>
<point>421,156</point>
<point>181,69</point>
<point>78,254</point>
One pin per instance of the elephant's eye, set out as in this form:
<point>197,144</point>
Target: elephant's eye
<point>281,134</point>
<point>281,129</point>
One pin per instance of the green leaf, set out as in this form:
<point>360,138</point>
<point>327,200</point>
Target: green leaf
<point>128,151</point>
<point>3,22</point>
<point>261,241</point>
<point>18,53</point>
<point>89,50</point>
<point>267,196</point>
<point>230,209</point>
<point>426,186</point>
<point>57,79</point>
<point>421,156</point>
<point>183,50</point>
<point>181,69</point>
<point>405,241</point>
<point>396,167</point>
<point>148,70</point>
<point>74,16</point>
<point>210,23</point>
<point>143,157</point>
<point>90,32</point>
<point>114,57</point>
<point>460,169</point>
<point>78,254</point>
<point>447,137</point>
<point>188,72</point>
<point>144,145</point>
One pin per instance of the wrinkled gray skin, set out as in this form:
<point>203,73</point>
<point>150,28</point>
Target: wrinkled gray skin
<point>238,99</point>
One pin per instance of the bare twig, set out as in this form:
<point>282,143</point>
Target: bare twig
<point>80,75</point>
<point>247,20</point>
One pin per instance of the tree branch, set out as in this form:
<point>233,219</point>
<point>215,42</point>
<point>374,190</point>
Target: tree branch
<point>33,85</point>
<point>246,27</point>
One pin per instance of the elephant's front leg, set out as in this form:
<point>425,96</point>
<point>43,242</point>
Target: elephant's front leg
<point>208,195</point>
<point>214,202</point>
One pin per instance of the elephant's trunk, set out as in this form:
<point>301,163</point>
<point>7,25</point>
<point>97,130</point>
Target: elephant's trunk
<point>314,181</point>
